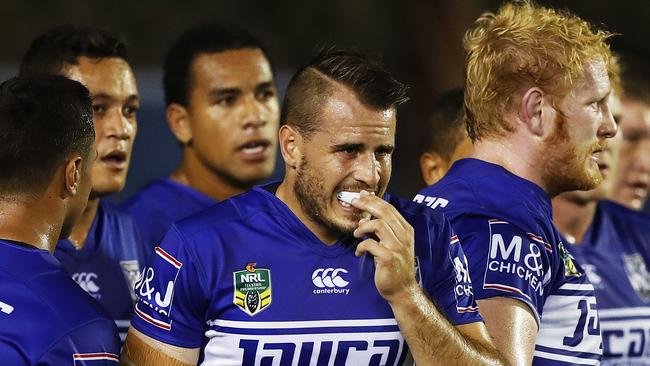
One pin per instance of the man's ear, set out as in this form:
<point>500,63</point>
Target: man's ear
<point>72,173</point>
<point>531,110</point>
<point>178,120</point>
<point>290,145</point>
<point>433,167</point>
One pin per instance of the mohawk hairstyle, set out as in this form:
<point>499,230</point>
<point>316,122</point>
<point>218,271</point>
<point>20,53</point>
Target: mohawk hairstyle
<point>309,87</point>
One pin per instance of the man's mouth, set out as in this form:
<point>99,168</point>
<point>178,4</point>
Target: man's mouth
<point>639,189</point>
<point>254,149</point>
<point>115,159</point>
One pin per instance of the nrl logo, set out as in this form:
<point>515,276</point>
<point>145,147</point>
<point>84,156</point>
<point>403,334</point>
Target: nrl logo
<point>252,289</point>
<point>570,269</point>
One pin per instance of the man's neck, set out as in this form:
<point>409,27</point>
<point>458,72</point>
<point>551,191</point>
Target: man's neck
<point>30,222</point>
<point>573,218</point>
<point>518,157</point>
<point>191,172</point>
<point>80,231</point>
<point>286,194</point>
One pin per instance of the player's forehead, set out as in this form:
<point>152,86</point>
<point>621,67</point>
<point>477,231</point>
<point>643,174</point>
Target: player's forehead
<point>107,77</point>
<point>232,69</point>
<point>594,84</point>
<point>636,115</point>
<point>345,118</point>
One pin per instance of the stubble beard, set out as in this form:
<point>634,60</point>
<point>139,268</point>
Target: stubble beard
<point>311,195</point>
<point>563,166</point>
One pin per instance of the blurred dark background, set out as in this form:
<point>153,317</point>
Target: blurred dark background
<point>420,41</point>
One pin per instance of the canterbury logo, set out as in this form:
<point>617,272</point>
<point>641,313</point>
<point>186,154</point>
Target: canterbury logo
<point>329,277</point>
<point>87,281</point>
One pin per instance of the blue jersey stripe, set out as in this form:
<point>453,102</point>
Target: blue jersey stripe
<point>587,355</point>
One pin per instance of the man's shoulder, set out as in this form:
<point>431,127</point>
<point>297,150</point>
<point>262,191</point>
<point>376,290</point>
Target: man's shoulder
<point>414,212</point>
<point>229,214</point>
<point>490,193</point>
<point>626,215</point>
<point>49,301</point>
<point>164,194</point>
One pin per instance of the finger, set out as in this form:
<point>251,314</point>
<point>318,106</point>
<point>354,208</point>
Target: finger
<point>372,247</point>
<point>379,228</point>
<point>379,208</point>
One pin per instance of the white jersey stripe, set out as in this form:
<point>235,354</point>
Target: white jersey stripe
<point>577,286</point>
<point>303,324</point>
<point>567,359</point>
<point>624,312</point>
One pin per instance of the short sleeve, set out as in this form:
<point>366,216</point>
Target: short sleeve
<point>505,260</point>
<point>92,344</point>
<point>450,285</point>
<point>171,300</point>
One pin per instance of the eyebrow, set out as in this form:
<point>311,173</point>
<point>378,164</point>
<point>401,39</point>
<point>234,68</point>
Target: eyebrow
<point>361,146</point>
<point>219,92</point>
<point>265,85</point>
<point>130,98</point>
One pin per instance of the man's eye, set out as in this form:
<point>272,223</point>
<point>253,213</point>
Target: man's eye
<point>227,101</point>
<point>99,108</point>
<point>130,111</point>
<point>265,94</point>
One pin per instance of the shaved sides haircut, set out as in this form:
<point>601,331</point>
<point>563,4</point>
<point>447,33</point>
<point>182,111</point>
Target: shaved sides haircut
<point>313,83</point>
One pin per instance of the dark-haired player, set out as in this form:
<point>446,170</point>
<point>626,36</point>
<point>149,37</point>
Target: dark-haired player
<point>222,106</point>
<point>445,137</point>
<point>273,276</point>
<point>104,251</point>
<point>46,155</point>
<point>536,93</point>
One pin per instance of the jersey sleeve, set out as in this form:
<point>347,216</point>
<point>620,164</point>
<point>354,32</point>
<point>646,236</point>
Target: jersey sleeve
<point>506,260</point>
<point>450,285</point>
<point>172,302</point>
<point>92,344</point>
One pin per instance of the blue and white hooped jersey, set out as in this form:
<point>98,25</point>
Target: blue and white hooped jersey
<point>45,318</point>
<point>513,249</point>
<point>108,265</point>
<point>157,205</point>
<point>615,253</point>
<point>249,284</point>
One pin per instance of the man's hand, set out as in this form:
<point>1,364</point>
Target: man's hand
<point>390,239</point>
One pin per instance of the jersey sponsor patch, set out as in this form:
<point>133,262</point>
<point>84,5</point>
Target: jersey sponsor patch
<point>431,202</point>
<point>515,262</point>
<point>570,269</point>
<point>158,298</point>
<point>131,271</point>
<point>6,308</point>
<point>252,289</point>
<point>321,342</point>
<point>463,290</point>
<point>89,282</point>
<point>637,273</point>
<point>330,281</point>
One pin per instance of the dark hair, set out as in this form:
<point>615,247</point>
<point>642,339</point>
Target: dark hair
<point>445,125</point>
<point>367,78</point>
<point>200,39</point>
<point>635,77</point>
<point>61,46</point>
<point>43,120</point>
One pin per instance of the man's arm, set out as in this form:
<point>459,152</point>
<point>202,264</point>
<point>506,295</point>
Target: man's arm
<point>513,328</point>
<point>142,350</point>
<point>431,338</point>
<point>434,341</point>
